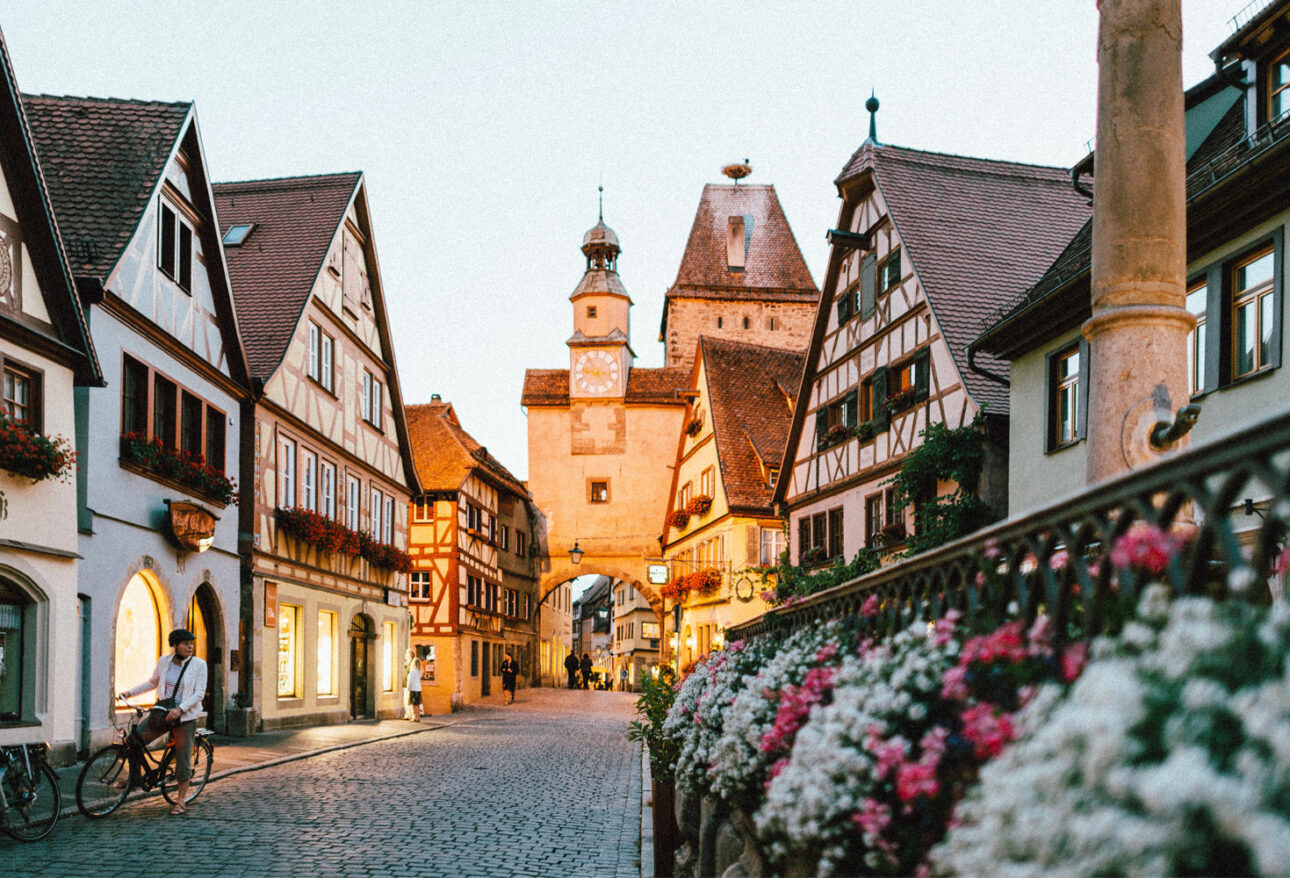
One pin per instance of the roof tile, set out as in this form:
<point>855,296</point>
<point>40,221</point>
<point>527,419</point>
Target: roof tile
<point>445,454</point>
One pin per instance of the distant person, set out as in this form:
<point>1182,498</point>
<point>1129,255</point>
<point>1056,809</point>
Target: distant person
<point>509,670</point>
<point>622,680</point>
<point>571,668</point>
<point>413,685</point>
<point>585,667</point>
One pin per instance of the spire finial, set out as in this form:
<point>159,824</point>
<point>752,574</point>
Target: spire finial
<point>872,106</point>
<point>601,189</point>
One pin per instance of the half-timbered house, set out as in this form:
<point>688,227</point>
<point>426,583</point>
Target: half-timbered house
<point>45,358</point>
<point>327,469</point>
<point>926,245</point>
<point>474,579</point>
<point>159,451</point>
<point>721,527</point>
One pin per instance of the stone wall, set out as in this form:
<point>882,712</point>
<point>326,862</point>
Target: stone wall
<point>773,324</point>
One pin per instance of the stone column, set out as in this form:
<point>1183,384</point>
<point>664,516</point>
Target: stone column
<point>1137,334</point>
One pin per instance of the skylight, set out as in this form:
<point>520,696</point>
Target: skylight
<point>237,235</point>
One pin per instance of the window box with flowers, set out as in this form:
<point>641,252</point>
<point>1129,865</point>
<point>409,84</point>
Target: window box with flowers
<point>31,455</point>
<point>698,506</point>
<point>893,534</point>
<point>701,582</point>
<point>834,435</point>
<point>901,400</point>
<point>333,537</point>
<point>814,555</point>
<point>678,518</point>
<point>694,426</point>
<point>152,458</point>
<point>865,430</point>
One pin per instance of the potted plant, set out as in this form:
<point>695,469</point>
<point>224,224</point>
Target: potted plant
<point>698,505</point>
<point>813,555</point>
<point>894,533</point>
<point>678,518</point>
<point>656,699</point>
<point>900,400</point>
<point>694,426</point>
<point>32,455</point>
<point>865,430</point>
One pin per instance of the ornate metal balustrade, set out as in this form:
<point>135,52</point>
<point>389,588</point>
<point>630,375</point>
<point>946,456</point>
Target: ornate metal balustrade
<point>1230,500</point>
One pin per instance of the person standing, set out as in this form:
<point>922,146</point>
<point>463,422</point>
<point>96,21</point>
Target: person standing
<point>585,667</point>
<point>180,681</point>
<point>571,668</point>
<point>413,685</point>
<point>509,670</point>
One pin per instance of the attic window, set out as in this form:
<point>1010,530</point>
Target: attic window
<point>738,236</point>
<point>237,235</point>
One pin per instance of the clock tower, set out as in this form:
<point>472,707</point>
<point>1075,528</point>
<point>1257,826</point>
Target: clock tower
<point>600,354</point>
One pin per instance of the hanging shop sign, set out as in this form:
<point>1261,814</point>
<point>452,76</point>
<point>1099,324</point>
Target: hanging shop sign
<point>191,526</point>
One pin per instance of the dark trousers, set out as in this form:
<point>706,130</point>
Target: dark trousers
<point>573,679</point>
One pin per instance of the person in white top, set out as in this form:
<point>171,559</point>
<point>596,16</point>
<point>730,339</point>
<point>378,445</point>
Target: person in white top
<point>413,684</point>
<point>180,681</point>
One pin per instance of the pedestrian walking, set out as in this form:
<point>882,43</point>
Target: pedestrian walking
<point>180,681</point>
<point>585,667</point>
<point>622,680</point>
<point>571,668</point>
<point>509,670</point>
<point>413,686</point>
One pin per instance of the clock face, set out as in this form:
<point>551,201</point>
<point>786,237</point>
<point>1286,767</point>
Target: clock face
<point>595,371</point>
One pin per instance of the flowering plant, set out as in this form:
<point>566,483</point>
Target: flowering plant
<point>865,430</point>
<point>874,775</point>
<point>704,581</point>
<point>384,554</point>
<point>694,426</point>
<point>695,719</point>
<point>1168,756</point>
<point>900,400</point>
<point>698,505</point>
<point>678,518</point>
<point>190,470</point>
<point>29,454</point>
<point>320,531</point>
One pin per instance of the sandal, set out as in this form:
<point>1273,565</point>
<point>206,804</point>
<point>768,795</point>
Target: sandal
<point>178,809</point>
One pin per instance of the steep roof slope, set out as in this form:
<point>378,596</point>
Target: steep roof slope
<point>445,454</point>
<point>775,268</point>
<point>274,272</point>
<point>749,388</point>
<point>103,158</point>
<point>978,232</point>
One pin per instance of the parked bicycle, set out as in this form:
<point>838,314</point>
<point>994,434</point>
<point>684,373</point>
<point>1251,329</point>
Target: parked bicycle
<point>29,796</point>
<point>113,771</point>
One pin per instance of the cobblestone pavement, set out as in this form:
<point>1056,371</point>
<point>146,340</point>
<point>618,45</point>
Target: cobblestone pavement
<point>546,786</point>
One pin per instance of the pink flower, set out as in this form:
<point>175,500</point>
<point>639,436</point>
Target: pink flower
<point>1059,560</point>
<point>992,551</point>
<point>826,652</point>
<point>1004,643</point>
<point>916,779</point>
<point>1040,635</point>
<point>986,731</point>
<point>954,683</point>
<point>1073,661</point>
<point>1282,564</point>
<point>979,578</point>
<point>873,817</point>
<point>890,754</point>
<point>870,606</point>
<point>933,746</point>
<point>1145,546</point>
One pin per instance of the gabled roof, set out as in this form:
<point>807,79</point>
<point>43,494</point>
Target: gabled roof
<point>750,414</point>
<point>775,268</point>
<point>274,272</point>
<point>104,157</point>
<point>28,188</point>
<point>550,387</point>
<point>978,232</point>
<point>446,455</point>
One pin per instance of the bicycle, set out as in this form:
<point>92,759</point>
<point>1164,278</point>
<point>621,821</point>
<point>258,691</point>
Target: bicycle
<point>113,771</point>
<point>29,797</point>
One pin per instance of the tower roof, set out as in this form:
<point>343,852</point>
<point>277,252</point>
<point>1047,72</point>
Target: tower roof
<point>600,237</point>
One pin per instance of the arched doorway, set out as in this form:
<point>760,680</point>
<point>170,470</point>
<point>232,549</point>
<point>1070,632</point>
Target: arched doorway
<point>141,618</point>
<point>17,648</point>
<point>362,633</point>
<point>206,621</point>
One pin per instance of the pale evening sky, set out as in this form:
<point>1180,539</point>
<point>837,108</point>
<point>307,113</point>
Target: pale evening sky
<point>484,129</point>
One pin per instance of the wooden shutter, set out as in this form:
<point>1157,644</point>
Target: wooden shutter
<point>850,405</point>
<point>868,284</point>
<point>922,372</point>
<point>879,384</point>
<point>821,422</point>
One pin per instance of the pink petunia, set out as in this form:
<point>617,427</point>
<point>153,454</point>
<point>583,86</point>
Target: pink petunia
<point>916,779</point>
<point>986,731</point>
<point>1145,546</point>
<point>870,606</point>
<point>1073,661</point>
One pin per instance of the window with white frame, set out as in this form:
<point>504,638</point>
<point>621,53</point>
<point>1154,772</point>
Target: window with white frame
<point>772,543</point>
<point>353,503</point>
<point>376,514</point>
<point>328,494</point>
<point>419,584</point>
<point>286,473</point>
<point>309,480</point>
<point>387,521</point>
<point>321,366</point>
<point>175,246</point>
<point>371,399</point>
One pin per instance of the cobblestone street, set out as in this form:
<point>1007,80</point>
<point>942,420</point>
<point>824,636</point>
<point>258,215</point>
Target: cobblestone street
<point>547,786</point>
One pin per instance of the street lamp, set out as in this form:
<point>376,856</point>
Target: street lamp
<point>575,554</point>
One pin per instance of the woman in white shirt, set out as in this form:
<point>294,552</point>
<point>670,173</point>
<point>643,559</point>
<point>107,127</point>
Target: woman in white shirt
<point>413,684</point>
<point>180,681</point>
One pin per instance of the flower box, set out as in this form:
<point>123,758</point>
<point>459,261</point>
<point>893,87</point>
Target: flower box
<point>31,455</point>
<point>678,518</point>
<point>893,534</point>
<point>694,426</point>
<point>333,537</point>
<point>901,400</point>
<point>865,430</point>
<point>698,505</point>
<point>190,471</point>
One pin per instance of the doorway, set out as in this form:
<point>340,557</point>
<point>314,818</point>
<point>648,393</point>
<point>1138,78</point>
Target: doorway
<point>361,635</point>
<point>485,669</point>
<point>204,619</point>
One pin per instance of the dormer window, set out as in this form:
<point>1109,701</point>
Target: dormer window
<point>738,236</point>
<point>236,236</point>
<point>175,247</point>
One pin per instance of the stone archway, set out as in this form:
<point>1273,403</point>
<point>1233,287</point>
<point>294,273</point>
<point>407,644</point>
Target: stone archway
<point>561,571</point>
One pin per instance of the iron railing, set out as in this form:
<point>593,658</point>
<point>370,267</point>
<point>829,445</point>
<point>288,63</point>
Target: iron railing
<point>1014,569</point>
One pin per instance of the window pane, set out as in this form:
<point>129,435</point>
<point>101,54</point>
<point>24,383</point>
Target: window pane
<point>1244,338</point>
<point>311,367</point>
<point>138,638</point>
<point>1197,299</point>
<point>215,438</point>
<point>166,249</point>
<point>1255,273</point>
<point>326,652</point>
<point>288,617</point>
<point>163,410</point>
<point>185,257</point>
<point>1265,329</point>
<point>327,361</point>
<point>134,401</point>
<point>309,481</point>
<point>190,431</point>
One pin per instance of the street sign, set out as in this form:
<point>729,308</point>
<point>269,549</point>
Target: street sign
<point>658,574</point>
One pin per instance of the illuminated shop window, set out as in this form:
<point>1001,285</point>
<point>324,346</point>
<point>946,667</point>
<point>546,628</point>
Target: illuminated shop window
<point>288,650</point>
<point>391,658</point>
<point>138,636</point>
<point>326,653</point>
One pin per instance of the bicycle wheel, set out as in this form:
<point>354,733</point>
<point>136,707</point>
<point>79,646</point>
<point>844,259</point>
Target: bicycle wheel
<point>105,781</point>
<point>33,802</point>
<point>203,757</point>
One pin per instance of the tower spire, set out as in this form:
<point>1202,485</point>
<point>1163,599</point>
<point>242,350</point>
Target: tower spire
<point>872,106</point>
<point>601,189</point>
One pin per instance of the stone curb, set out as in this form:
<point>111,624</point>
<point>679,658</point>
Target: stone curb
<point>647,817</point>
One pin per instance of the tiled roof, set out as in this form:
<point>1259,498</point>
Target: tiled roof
<point>978,233</point>
<point>775,267</point>
<point>445,454</point>
<point>750,414</point>
<point>274,271</point>
<point>550,387</point>
<point>102,158</point>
